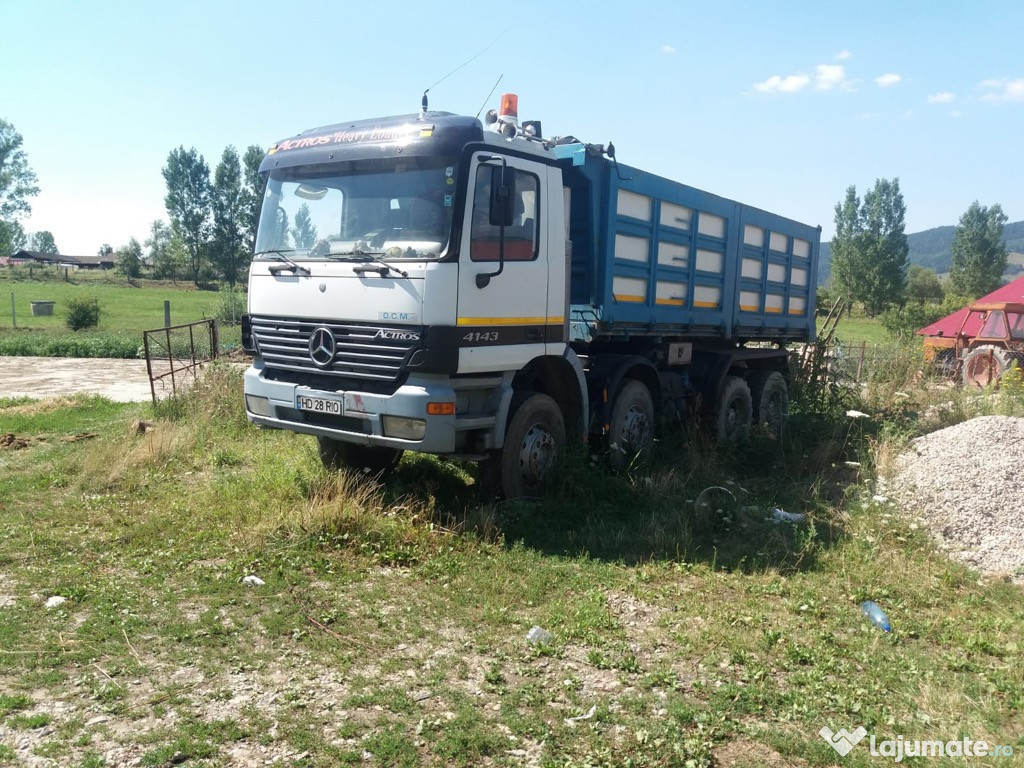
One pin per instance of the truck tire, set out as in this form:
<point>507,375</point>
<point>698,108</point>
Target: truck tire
<point>985,365</point>
<point>534,438</point>
<point>631,426</point>
<point>734,411</point>
<point>770,396</point>
<point>371,460</point>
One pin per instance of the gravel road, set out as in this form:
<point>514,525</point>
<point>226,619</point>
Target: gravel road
<point>966,483</point>
<point>40,377</point>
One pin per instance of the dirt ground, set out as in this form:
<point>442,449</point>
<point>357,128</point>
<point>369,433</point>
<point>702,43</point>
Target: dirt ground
<point>42,377</point>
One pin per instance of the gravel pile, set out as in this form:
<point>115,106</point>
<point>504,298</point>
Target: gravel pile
<point>967,483</point>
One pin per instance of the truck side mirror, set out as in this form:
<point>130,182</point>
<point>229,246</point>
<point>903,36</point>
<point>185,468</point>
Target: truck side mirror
<point>503,195</point>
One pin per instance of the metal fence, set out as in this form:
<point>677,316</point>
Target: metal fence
<point>175,354</point>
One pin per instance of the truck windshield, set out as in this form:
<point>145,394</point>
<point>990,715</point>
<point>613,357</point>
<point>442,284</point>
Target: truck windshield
<point>388,208</point>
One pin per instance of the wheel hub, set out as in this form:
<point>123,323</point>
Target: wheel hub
<point>635,428</point>
<point>537,454</point>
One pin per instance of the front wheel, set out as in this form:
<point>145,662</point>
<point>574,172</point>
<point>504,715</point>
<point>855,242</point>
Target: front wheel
<point>534,438</point>
<point>372,460</point>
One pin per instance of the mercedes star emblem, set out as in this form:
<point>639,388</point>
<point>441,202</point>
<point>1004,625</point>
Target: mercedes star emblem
<point>323,287</point>
<point>321,346</point>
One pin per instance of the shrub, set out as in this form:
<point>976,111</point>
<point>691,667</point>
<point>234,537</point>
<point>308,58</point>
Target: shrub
<point>83,313</point>
<point>231,306</point>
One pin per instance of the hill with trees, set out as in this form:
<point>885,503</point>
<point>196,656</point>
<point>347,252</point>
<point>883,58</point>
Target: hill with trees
<point>933,248</point>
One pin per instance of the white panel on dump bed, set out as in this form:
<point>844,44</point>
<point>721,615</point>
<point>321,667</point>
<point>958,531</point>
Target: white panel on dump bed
<point>778,242</point>
<point>753,236</point>
<point>799,276</point>
<point>709,261</point>
<point>632,289</point>
<point>797,305</point>
<point>752,269</point>
<point>777,273</point>
<point>707,296</point>
<point>773,303</point>
<point>631,248</point>
<point>677,216</point>
<point>801,248</point>
<point>750,301</point>
<point>673,255</point>
<point>711,225</point>
<point>634,205</point>
<point>671,294</point>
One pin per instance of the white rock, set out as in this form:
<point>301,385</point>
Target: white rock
<point>56,600</point>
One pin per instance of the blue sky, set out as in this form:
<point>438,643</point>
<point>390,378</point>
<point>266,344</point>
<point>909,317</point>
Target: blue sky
<point>781,105</point>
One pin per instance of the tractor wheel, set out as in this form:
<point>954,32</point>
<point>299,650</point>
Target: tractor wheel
<point>985,365</point>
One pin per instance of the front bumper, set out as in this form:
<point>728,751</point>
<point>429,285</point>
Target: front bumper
<point>361,420</point>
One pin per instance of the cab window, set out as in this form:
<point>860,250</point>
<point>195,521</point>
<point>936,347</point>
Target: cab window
<point>521,237</point>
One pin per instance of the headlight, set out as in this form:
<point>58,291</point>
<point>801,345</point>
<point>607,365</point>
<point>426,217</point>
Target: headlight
<point>404,428</point>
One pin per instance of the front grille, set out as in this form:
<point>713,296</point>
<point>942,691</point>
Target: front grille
<point>365,352</point>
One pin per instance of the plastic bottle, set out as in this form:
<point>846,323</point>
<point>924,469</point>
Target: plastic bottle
<point>538,636</point>
<point>876,615</point>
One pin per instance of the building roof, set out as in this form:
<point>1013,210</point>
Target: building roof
<point>950,324</point>
<point>50,258</point>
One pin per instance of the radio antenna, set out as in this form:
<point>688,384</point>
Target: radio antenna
<point>494,87</point>
<point>424,103</point>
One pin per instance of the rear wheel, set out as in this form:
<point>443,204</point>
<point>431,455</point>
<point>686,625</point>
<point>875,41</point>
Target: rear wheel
<point>534,438</point>
<point>734,411</point>
<point>631,427</point>
<point>770,397</point>
<point>985,365</point>
<point>366,459</point>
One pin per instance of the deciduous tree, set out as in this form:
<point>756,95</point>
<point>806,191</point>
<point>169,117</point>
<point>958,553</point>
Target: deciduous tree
<point>871,246</point>
<point>188,204</point>
<point>979,255</point>
<point>228,216</point>
<point>17,185</point>
<point>923,285</point>
<point>157,245</point>
<point>42,242</point>
<point>252,193</point>
<point>128,259</point>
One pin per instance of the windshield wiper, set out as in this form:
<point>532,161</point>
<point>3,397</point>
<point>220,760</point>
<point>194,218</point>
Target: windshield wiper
<point>288,266</point>
<point>379,266</point>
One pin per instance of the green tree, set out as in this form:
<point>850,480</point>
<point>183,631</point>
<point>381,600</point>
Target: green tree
<point>105,251</point>
<point>304,231</point>
<point>923,285</point>
<point>869,250</point>
<point>128,259</point>
<point>17,185</point>
<point>157,245</point>
<point>228,216</point>
<point>42,242</point>
<point>979,255</point>
<point>188,204</point>
<point>12,238</point>
<point>252,193</point>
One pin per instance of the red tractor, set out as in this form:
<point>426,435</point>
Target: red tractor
<point>989,340</point>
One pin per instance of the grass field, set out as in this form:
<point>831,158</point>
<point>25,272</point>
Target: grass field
<point>391,626</point>
<point>127,308</point>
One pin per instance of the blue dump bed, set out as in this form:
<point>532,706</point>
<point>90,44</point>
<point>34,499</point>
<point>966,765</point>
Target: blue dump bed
<point>652,256</point>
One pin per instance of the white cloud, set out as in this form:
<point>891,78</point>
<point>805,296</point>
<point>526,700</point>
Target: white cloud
<point>788,84</point>
<point>890,78</point>
<point>943,97</point>
<point>668,49</point>
<point>1003,89</point>
<point>843,55</point>
<point>830,76</point>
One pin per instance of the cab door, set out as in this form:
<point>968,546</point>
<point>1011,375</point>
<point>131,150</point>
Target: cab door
<point>504,324</point>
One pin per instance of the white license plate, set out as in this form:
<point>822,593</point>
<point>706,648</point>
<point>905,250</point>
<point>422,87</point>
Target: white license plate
<point>320,405</point>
